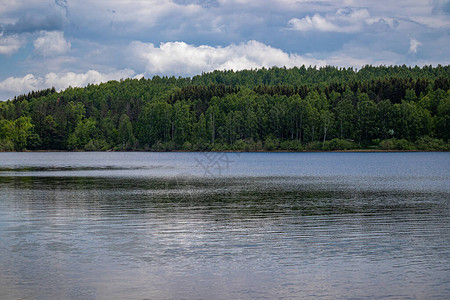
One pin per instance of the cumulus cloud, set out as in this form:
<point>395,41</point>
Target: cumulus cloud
<point>130,16</point>
<point>180,58</point>
<point>34,20</point>
<point>10,44</point>
<point>20,85</point>
<point>51,43</point>
<point>61,81</point>
<point>413,45</point>
<point>102,34</point>
<point>344,20</point>
<point>361,56</point>
<point>316,22</point>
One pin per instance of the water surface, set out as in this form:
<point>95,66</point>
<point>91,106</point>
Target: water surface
<point>224,225</point>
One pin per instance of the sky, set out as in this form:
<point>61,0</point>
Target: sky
<point>61,43</point>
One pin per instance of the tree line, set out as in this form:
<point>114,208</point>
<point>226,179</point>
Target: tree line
<point>329,108</point>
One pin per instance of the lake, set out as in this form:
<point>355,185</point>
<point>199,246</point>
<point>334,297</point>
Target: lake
<point>224,225</point>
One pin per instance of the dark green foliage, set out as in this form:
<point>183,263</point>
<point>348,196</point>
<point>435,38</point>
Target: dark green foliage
<point>34,94</point>
<point>392,108</point>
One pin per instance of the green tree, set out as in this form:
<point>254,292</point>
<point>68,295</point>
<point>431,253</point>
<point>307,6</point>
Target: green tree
<point>15,133</point>
<point>212,114</point>
<point>156,123</point>
<point>345,117</point>
<point>200,133</point>
<point>84,132</point>
<point>126,136</point>
<point>412,121</point>
<point>182,123</point>
<point>366,113</point>
<point>386,118</point>
<point>48,132</point>
<point>442,119</point>
<point>326,118</point>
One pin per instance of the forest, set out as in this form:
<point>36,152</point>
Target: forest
<point>295,109</point>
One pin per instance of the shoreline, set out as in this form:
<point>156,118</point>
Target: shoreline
<point>235,151</point>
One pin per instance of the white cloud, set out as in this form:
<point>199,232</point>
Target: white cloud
<point>129,16</point>
<point>413,45</point>
<point>434,21</point>
<point>10,44</point>
<point>353,54</point>
<point>51,43</point>
<point>20,85</point>
<point>315,23</point>
<point>138,76</point>
<point>179,58</point>
<point>101,34</point>
<point>61,81</point>
<point>28,16</point>
<point>344,20</point>
<point>358,60</point>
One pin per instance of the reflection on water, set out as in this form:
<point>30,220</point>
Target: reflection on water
<point>70,230</point>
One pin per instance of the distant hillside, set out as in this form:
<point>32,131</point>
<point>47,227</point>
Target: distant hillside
<point>396,107</point>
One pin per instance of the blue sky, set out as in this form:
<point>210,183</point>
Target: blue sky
<point>65,42</point>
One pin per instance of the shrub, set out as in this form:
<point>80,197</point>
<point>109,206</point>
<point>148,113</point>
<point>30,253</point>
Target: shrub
<point>6,145</point>
<point>256,146</point>
<point>338,144</point>
<point>428,143</point>
<point>271,143</point>
<point>394,144</point>
<point>219,147</point>
<point>97,145</point>
<point>201,146</point>
<point>315,145</point>
<point>240,145</point>
<point>187,146</point>
<point>163,146</point>
<point>294,145</point>
<point>387,144</point>
<point>403,144</point>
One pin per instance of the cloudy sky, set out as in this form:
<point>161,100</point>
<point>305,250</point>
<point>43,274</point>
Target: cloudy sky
<point>45,43</point>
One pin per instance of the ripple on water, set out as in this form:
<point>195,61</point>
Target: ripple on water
<point>288,232</point>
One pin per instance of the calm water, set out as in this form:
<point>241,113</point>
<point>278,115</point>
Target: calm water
<point>224,225</point>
